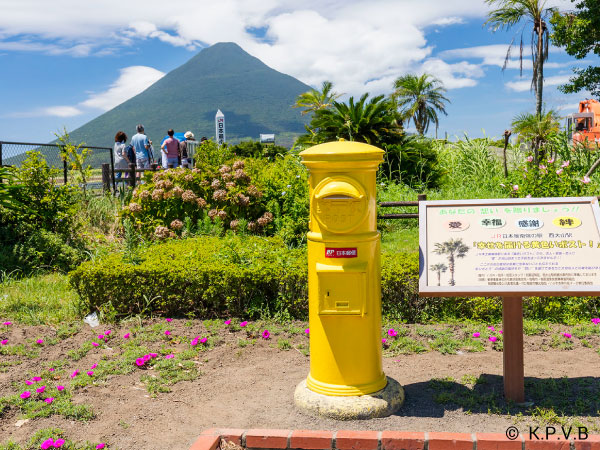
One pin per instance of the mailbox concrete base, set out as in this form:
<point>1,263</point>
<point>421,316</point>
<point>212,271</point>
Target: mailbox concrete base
<point>382,403</point>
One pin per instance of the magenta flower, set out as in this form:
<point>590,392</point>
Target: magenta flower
<point>194,341</point>
<point>107,332</point>
<point>93,366</point>
<point>36,379</point>
<point>146,357</point>
<point>101,337</point>
<point>49,400</point>
<point>244,323</point>
<point>39,341</point>
<point>169,320</point>
<point>266,334</point>
<point>75,373</point>
<point>476,334</point>
<point>59,443</point>
<point>596,320</point>
<point>140,362</point>
<point>491,328</point>
<point>4,342</point>
<point>493,338</point>
<point>91,373</point>
<point>126,336</point>
<point>47,444</point>
<point>60,388</point>
<point>167,333</point>
<point>203,340</point>
<point>171,356</point>
<point>500,331</point>
<point>153,355</point>
<point>392,332</point>
<point>41,389</point>
<point>307,331</point>
<point>227,322</point>
<point>567,335</point>
<point>51,369</point>
<point>100,446</point>
<point>384,340</point>
<point>7,323</point>
<point>95,344</point>
<point>25,394</point>
<point>28,382</point>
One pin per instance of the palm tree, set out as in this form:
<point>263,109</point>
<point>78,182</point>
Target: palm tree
<point>454,248</point>
<point>510,13</point>
<point>537,130</point>
<point>374,121</point>
<point>314,100</point>
<point>420,99</point>
<point>439,268</point>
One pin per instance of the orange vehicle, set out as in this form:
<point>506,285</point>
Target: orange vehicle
<point>585,125</point>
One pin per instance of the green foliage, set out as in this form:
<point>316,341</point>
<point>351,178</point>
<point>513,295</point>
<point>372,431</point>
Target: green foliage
<point>254,149</point>
<point>412,161</point>
<point>578,32</point>
<point>76,157</point>
<point>8,188</point>
<point>314,100</point>
<point>420,98</point>
<point>44,232</point>
<point>536,130</point>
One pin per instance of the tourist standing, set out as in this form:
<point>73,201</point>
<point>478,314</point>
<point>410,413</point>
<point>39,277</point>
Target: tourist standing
<point>170,149</point>
<point>142,145</point>
<point>120,152</point>
<point>186,148</point>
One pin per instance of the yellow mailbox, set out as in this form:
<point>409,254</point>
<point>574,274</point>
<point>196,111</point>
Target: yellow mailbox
<point>344,272</point>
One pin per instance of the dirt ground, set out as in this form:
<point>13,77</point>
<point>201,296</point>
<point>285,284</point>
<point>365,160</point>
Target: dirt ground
<point>252,387</point>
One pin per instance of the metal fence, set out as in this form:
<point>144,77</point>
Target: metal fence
<point>14,153</point>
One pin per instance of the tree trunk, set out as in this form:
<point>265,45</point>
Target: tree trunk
<point>451,268</point>
<point>540,72</point>
<point>439,274</point>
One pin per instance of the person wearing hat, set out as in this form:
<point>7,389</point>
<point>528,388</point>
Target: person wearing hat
<point>184,151</point>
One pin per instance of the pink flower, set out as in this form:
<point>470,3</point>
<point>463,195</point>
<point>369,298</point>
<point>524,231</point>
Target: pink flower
<point>146,357</point>
<point>515,187</point>
<point>169,320</point>
<point>49,400</point>
<point>126,336</point>
<point>75,373</point>
<point>476,334</point>
<point>542,167</point>
<point>101,337</point>
<point>392,332</point>
<point>500,331</point>
<point>93,366</point>
<point>529,158</point>
<point>550,160</point>
<point>171,356</point>
<point>41,389</point>
<point>596,320</point>
<point>153,355</point>
<point>203,340</point>
<point>266,334</point>
<point>107,332</point>
<point>47,444</point>
<point>59,443</point>
<point>559,171</point>
<point>36,379</point>
<point>567,335</point>
<point>39,341</point>
<point>528,196</point>
<point>194,341</point>
<point>91,373</point>
<point>244,323</point>
<point>167,333</point>
<point>227,322</point>
<point>307,331</point>
<point>383,341</point>
<point>140,362</point>
<point>51,369</point>
<point>7,323</point>
<point>100,446</point>
<point>28,382</point>
<point>4,342</point>
<point>95,344</point>
<point>585,180</point>
<point>25,394</point>
<point>565,164</point>
<point>60,388</point>
<point>493,338</point>
<point>491,328</point>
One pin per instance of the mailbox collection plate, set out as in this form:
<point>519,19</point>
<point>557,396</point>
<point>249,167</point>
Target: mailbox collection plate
<point>346,252</point>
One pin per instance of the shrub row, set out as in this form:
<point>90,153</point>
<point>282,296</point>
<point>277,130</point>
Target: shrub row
<point>252,276</point>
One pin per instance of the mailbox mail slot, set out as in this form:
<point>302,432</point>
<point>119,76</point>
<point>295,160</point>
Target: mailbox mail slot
<point>342,289</point>
<point>340,204</point>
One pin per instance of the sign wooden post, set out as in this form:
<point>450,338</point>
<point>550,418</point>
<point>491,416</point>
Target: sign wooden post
<point>510,248</point>
<point>512,332</point>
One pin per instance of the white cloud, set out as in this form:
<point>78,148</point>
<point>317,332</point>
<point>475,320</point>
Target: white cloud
<point>132,81</point>
<point>447,73</point>
<point>525,85</point>
<point>444,21</point>
<point>49,111</point>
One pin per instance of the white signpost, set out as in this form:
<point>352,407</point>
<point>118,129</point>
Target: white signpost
<point>220,127</point>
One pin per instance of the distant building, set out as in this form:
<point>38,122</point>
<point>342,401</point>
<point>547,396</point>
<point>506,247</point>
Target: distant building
<point>267,139</point>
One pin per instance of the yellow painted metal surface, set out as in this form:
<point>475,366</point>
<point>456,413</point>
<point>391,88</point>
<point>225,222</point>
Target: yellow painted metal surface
<point>344,270</point>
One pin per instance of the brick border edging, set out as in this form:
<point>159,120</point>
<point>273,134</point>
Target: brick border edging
<point>383,440</point>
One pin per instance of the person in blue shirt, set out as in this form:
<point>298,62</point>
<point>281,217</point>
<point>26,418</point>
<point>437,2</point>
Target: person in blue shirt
<point>141,145</point>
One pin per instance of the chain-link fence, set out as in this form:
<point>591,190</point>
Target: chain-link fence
<point>14,153</point>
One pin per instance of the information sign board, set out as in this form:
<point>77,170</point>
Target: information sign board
<point>509,247</point>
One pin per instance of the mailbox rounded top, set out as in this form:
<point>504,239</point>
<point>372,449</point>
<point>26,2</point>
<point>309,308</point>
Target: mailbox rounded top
<point>343,151</point>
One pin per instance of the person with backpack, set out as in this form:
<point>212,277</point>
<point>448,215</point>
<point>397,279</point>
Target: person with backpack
<point>120,152</point>
<point>141,144</point>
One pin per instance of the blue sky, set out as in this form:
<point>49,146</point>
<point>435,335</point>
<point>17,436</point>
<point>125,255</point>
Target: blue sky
<point>66,62</point>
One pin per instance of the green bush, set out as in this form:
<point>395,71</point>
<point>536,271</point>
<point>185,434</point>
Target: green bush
<point>254,149</point>
<point>413,161</point>
<point>256,277</point>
